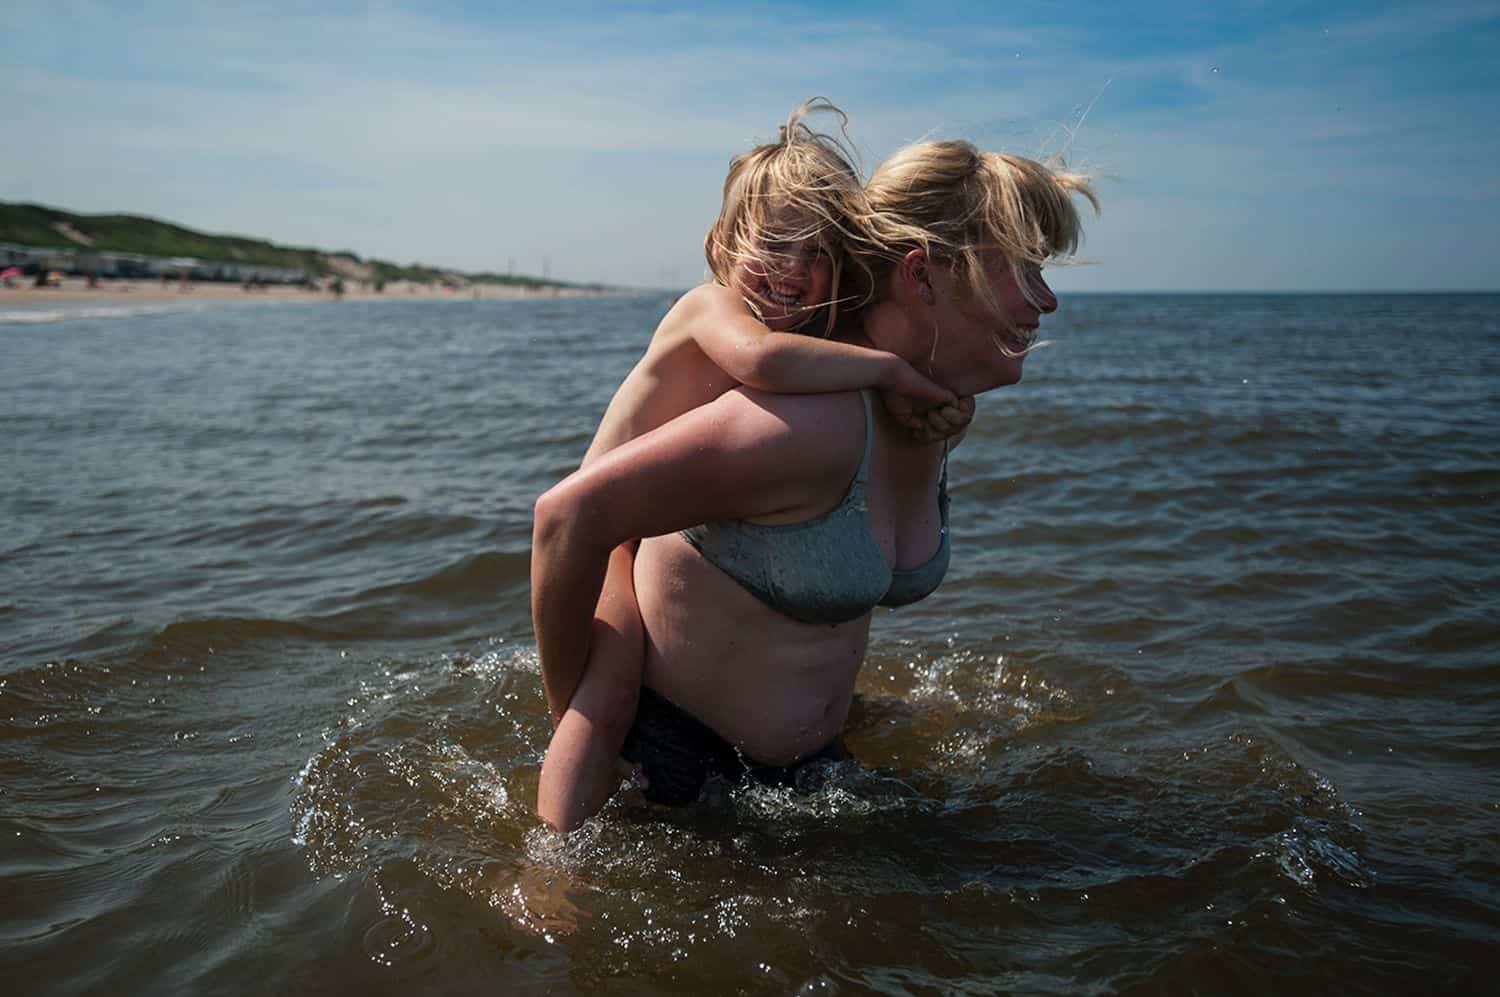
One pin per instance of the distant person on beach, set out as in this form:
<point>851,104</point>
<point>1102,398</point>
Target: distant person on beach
<point>782,274</point>
<point>776,522</point>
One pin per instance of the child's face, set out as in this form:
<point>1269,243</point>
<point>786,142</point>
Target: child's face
<point>786,274</point>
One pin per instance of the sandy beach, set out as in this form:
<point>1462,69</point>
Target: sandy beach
<point>76,290</point>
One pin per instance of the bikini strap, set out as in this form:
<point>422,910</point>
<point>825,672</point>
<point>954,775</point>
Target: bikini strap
<point>863,474</point>
<point>943,489</point>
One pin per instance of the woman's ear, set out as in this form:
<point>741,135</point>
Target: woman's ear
<point>916,275</point>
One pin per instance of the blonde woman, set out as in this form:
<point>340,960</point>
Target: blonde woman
<point>771,525</point>
<point>783,276</point>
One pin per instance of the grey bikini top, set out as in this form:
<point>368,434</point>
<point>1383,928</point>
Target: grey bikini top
<point>828,569</point>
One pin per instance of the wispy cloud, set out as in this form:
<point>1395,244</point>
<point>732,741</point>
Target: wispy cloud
<point>596,141</point>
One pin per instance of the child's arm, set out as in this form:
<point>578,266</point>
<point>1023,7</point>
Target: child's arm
<point>790,363</point>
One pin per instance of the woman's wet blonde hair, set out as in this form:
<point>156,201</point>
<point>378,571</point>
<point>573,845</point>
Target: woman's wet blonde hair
<point>962,205</point>
<point>811,173</point>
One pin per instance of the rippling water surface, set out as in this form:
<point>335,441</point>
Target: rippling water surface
<point>1209,702</point>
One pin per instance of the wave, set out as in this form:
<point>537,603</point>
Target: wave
<point>42,316</point>
<point>473,577</point>
<point>442,602</point>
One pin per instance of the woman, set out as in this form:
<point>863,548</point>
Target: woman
<point>798,514</point>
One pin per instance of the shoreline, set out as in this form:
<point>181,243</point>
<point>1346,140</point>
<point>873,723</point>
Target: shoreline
<point>76,291</point>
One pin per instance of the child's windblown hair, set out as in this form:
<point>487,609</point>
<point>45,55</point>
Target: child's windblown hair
<point>800,190</point>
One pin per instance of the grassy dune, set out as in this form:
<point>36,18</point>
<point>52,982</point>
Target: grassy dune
<point>38,225</point>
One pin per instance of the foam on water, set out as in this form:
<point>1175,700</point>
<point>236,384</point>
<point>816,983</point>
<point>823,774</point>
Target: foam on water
<point>46,314</point>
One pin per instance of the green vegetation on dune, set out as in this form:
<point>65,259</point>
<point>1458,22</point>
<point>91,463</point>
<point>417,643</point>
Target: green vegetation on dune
<point>36,225</point>
<point>41,226</point>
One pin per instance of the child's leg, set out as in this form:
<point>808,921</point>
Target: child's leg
<point>578,773</point>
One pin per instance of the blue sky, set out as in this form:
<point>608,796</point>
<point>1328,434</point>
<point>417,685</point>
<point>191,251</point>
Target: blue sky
<point>1248,146</point>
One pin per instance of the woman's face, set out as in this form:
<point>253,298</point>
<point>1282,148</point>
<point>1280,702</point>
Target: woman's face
<point>967,355</point>
<point>786,274</point>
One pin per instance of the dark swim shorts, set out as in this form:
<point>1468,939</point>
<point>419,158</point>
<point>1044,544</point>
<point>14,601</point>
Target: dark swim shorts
<point>678,753</point>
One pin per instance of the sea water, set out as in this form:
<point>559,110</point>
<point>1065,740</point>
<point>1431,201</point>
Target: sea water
<point>1210,700</point>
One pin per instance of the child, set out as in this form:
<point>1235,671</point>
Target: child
<point>781,273</point>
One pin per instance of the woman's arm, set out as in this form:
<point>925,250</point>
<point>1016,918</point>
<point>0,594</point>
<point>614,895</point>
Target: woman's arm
<point>791,363</point>
<point>745,454</point>
<point>580,769</point>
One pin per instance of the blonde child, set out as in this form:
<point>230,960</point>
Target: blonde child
<point>782,279</point>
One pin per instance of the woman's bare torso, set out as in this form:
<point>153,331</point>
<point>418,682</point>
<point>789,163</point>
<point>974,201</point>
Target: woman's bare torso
<point>776,688</point>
